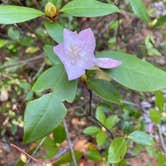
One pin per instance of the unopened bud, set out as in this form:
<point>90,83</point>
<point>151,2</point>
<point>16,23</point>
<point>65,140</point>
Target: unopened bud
<point>50,10</point>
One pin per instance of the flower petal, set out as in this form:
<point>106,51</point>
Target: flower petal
<point>73,72</point>
<point>59,51</point>
<point>107,63</point>
<point>88,40</point>
<point>70,38</point>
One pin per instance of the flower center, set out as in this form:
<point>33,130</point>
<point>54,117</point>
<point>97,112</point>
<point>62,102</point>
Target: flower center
<point>74,55</point>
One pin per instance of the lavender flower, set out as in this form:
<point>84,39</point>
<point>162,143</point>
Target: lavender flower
<point>76,52</point>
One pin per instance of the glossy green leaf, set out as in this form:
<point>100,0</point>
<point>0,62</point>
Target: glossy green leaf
<point>55,30</point>
<point>142,138</point>
<point>111,121</point>
<point>91,130</point>
<point>135,73</point>
<point>159,102</point>
<point>105,89</point>
<point>100,115</point>
<point>94,155</point>
<point>55,78</point>
<point>48,50</point>
<point>42,116</point>
<point>101,138</point>
<point>16,14</point>
<point>117,150</point>
<point>155,116</point>
<point>140,10</point>
<point>88,8</point>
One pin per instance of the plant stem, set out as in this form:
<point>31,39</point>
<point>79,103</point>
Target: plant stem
<point>36,150</point>
<point>70,144</point>
<point>162,139</point>
<point>22,151</point>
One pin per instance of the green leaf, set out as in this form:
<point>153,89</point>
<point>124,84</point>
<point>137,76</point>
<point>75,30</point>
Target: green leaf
<point>67,158</point>
<point>105,89</point>
<point>135,73</point>
<point>159,102</point>
<point>56,79</point>
<point>160,21</point>
<point>48,49</point>
<point>16,14</point>
<point>155,116</point>
<point>100,115</point>
<point>139,9</point>
<point>88,8</point>
<point>59,134</point>
<point>55,30</point>
<point>91,130</point>
<point>101,138</point>
<point>13,33</point>
<point>117,150</point>
<point>50,147</point>
<point>3,42</point>
<point>160,159</point>
<point>111,121</point>
<point>42,116</point>
<point>141,138</point>
<point>94,155</point>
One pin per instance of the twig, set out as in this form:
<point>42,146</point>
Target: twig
<point>39,71</point>
<point>101,125</point>
<point>70,144</point>
<point>36,150</point>
<point>162,139</point>
<point>22,62</point>
<point>22,151</point>
<point>90,103</point>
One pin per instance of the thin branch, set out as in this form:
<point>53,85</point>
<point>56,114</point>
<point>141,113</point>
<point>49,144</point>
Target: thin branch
<point>22,151</point>
<point>90,102</point>
<point>70,144</point>
<point>22,62</point>
<point>162,139</point>
<point>101,125</point>
<point>36,150</point>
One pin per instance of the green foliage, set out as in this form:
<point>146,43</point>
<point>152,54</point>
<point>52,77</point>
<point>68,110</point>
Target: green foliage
<point>88,8</point>
<point>151,50</point>
<point>100,115</point>
<point>159,102</point>
<point>91,130</point>
<point>117,150</point>
<point>40,121</point>
<point>58,82</point>
<point>48,50</point>
<point>55,30</point>
<point>140,10</point>
<point>105,89</point>
<point>155,116</point>
<point>160,21</point>
<point>94,155</point>
<point>142,138</point>
<point>17,14</point>
<point>135,73</point>
<point>111,121</point>
<point>101,138</point>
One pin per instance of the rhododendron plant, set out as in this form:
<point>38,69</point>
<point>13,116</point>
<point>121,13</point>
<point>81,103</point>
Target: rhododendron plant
<point>77,53</point>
